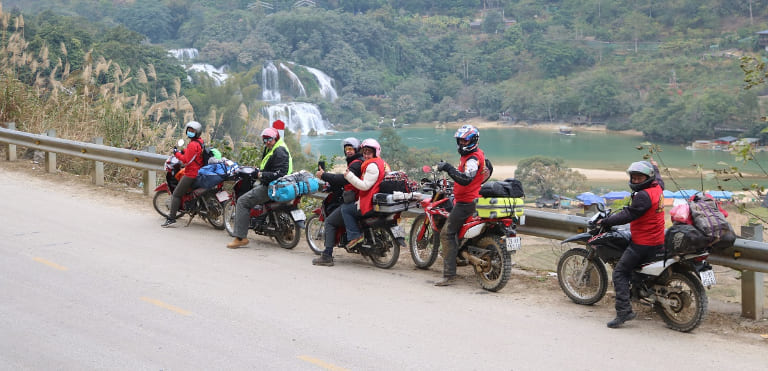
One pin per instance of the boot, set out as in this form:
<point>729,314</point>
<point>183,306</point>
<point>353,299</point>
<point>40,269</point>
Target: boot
<point>447,281</point>
<point>323,260</point>
<point>237,243</point>
<point>621,318</point>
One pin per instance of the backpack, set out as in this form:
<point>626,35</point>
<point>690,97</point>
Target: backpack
<point>508,188</point>
<point>488,170</point>
<point>210,155</point>
<point>708,219</point>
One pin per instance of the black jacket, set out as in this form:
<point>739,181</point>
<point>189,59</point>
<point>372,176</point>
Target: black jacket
<point>276,166</point>
<point>337,181</point>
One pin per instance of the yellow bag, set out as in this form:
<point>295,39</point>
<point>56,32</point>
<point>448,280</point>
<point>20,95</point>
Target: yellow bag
<point>499,207</point>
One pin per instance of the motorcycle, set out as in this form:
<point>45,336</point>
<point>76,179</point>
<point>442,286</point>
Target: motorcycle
<point>200,201</point>
<point>672,285</point>
<point>485,243</point>
<point>280,220</point>
<point>383,235</point>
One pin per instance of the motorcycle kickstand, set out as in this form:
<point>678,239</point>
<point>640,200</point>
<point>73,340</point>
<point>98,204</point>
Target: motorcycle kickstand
<point>191,216</point>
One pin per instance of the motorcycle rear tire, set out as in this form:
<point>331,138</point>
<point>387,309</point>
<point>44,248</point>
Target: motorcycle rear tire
<point>215,213</point>
<point>229,217</point>
<point>423,251</point>
<point>570,265</point>
<point>690,306</point>
<point>315,234</point>
<point>386,250</point>
<point>288,232</point>
<point>499,260</point>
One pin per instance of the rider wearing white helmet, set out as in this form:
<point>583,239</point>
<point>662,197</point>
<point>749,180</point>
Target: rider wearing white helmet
<point>192,159</point>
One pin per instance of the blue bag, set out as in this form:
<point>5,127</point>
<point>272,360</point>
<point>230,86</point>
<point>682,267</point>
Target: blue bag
<point>291,186</point>
<point>210,175</point>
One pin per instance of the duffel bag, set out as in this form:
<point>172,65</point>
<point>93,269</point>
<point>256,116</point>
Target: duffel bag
<point>291,186</point>
<point>708,218</point>
<point>208,180</point>
<point>684,238</point>
<point>396,181</point>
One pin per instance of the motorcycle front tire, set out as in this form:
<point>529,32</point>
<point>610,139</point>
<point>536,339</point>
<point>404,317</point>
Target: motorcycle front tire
<point>315,234</point>
<point>584,281</point>
<point>423,251</point>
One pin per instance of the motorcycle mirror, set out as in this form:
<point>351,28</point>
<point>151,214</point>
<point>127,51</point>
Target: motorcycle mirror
<point>180,143</point>
<point>426,169</point>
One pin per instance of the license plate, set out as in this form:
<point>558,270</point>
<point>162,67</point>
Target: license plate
<point>298,214</point>
<point>513,243</point>
<point>707,277</point>
<point>222,196</point>
<point>398,231</point>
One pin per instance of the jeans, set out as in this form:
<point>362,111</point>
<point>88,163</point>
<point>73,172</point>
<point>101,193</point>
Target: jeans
<point>185,184</point>
<point>351,214</point>
<point>448,235</point>
<point>256,196</point>
<point>332,223</point>
<point>632,257</point>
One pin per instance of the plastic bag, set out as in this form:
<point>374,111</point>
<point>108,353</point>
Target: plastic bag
<point>681,213</point>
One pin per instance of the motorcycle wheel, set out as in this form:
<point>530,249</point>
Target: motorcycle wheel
<point>229,217</point>
<point>215,214</point>
<point>423,251</point>
<point>499,264</point>
<point>288,232</point>
<point>386,250</point>
<point>162,202</point>
<point>315,234</point>
<point>688,302</point>
<point>584,281</point>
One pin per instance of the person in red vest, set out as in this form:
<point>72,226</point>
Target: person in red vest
<point>467,177</point>
<point>367,185</point>
<point>645,215</point>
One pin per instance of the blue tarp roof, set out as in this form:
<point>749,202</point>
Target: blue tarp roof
<point>685,193</point>
<point>589,198</point>
<point>617,195</point>
<point>721,194</point>
<point>668,194</point>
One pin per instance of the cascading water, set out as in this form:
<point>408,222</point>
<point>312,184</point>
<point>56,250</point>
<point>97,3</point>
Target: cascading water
<point>298,116</point>
<point>326,86</point>
<point>188,54</point>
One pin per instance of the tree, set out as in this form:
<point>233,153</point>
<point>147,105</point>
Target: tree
<point>546,176</point>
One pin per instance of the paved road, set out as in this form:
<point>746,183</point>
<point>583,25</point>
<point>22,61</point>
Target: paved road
<point>88,282</point>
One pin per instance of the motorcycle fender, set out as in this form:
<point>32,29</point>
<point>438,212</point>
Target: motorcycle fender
<point>162,187</point>
<point>581,237</point>
<point>471,230</point>
<point>657,267</point>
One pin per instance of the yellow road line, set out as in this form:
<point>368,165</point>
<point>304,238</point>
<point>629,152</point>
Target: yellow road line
<point>322,364</point>
<point>166,306</point>
<point>51,264</point>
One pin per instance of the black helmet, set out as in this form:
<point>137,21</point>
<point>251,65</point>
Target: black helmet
<point>642,168</point>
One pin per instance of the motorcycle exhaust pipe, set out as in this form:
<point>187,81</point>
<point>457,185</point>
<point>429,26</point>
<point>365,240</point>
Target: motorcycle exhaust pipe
<point>476,262</point>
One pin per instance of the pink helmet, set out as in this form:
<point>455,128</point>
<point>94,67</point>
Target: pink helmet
<point>373,144</point>
<point>271,133</point>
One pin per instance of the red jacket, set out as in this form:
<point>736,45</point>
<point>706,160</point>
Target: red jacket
<point>192,158</point>
<point>471,191</point>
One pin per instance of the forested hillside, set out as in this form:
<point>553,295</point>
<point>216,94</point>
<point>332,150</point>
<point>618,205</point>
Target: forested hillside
<point>668,68</point>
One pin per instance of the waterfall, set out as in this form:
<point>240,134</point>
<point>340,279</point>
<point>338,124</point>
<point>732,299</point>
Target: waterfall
<point>298,116</point>
<point>325,82</point>
<point>218,74</point>
<point>269,83</point>
<point>295,82</point>
<point>184,54</point>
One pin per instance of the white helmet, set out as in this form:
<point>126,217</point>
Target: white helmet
<point>196,126</point>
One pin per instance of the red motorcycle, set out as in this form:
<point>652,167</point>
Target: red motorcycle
<point>484,243</point>
<point>201,201</point>
<point>281,220</point>
<point>383,235</point>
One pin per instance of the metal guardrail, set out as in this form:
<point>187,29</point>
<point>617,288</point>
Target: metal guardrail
<point>747,255</point>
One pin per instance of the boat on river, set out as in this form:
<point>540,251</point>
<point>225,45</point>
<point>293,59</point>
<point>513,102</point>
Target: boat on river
<point>566,130</point>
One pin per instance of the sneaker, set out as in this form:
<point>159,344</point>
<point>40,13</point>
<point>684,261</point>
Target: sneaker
<point>355,241</point>
<point>237,243</point>
<point>447,281</point>
<point>621,318</point>
<point>324,260</point>
<point>168,223</point>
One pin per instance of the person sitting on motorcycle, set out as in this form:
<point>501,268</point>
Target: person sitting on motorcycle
<point>645,215</point>
<point>367,184</point>
<point>468,178</point>
<point>192,160</point>
<point>339,185</point>
<point>276,162</point>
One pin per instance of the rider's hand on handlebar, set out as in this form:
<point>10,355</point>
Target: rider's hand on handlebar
<point>443,166</point>
<point>175,150</point>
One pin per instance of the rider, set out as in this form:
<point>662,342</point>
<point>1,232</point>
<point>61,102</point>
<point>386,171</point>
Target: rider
<point>276,162</point>
<point>367,184</point>
<point>468,178</point>
<point>192,159</point>
<point>339,185</point>
<point>645,215</point>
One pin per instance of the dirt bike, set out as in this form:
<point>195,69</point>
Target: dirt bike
<point>200,201</point>
<point>485,243</point>
<point>280,220</point>
<point>672,285</point>
<point>383,235</point>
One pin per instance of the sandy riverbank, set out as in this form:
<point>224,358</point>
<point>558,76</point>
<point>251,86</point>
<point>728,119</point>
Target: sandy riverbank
<point>547,126</point>
<point>508,171</point>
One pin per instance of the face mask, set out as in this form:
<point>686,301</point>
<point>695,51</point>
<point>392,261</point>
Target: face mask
<point>190,134</point>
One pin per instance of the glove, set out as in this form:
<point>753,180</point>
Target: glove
<point>175,150</point>
<point>443,166</point>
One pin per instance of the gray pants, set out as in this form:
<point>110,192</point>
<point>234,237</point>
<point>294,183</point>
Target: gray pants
<point>256,196</point>
<point>185,184</point>
<point>448,235</point>
<point>332,223</point>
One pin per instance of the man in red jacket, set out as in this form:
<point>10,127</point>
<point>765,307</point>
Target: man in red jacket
<point>645,215</point>
<point>468,178</point>
<point>192,159</point>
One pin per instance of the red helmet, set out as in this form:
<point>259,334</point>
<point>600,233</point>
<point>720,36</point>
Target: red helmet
<point>270,133</point>
<point>373,144</point>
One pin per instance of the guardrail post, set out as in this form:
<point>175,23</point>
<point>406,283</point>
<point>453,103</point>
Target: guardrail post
<point>98,166</point>
<point>50,157</point>
<point>10,154</point>
<point>149,177</point>
<point>752,289</point>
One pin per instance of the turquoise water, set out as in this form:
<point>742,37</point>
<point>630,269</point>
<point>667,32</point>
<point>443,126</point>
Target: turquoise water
<point>586,149</point>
